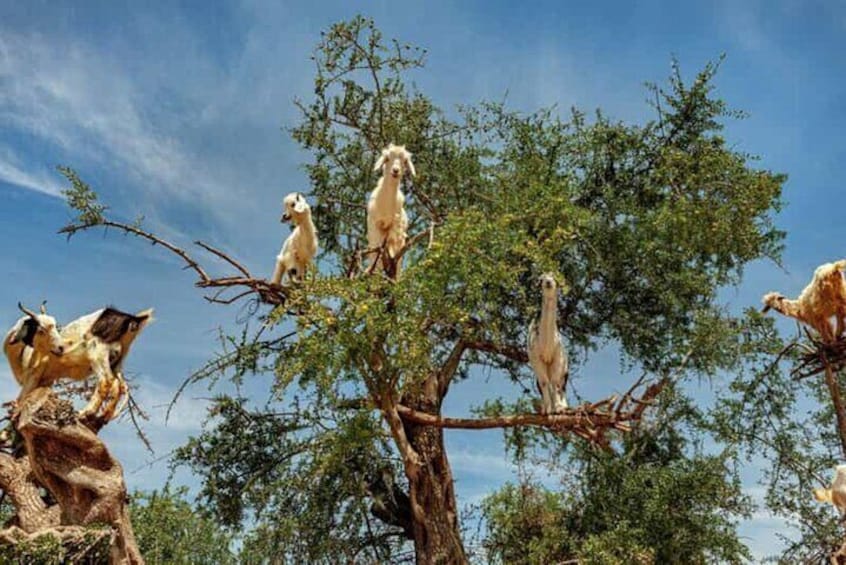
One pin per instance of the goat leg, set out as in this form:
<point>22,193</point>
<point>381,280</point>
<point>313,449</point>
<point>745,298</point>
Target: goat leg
<point>97,399</point>
<point>117,393</point>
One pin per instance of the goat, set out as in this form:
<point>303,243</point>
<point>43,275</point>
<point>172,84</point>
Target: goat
<point>301,246</point>
<point>98,344</point>
<point>30,345</point>
<point>836,494</point>
<point>387,222</point>
<point>824,297</point>
<point>547,355</point>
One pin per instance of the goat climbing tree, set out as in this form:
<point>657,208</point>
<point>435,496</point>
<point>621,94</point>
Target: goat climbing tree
<point>642,222</point>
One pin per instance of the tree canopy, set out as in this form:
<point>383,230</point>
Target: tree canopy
<point>642,224</point>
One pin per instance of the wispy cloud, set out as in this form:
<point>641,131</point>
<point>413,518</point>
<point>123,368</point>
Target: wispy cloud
<point>12,172</point>
<point>83,105</point>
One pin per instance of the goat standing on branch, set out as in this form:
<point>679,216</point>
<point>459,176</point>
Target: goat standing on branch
<point>824,297</point>
<point>30,346</point>
<point>301,246</point>
<point>98,344</point>
<point>387,222</point>
<point>546,352</point>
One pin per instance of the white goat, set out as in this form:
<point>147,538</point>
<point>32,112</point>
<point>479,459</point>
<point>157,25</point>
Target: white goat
<point>98,343</point>
<point>824,297</point>
<point>546,351</point>
<point>835,495</point>
<point>30,346</point>
<point>387,222</point>
<point>299,249</point>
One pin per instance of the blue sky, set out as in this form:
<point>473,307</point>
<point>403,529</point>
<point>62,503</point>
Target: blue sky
<point>178,110</point>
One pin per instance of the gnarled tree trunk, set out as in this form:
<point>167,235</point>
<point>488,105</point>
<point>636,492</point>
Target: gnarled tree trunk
<point>437,539</point>
<point>72,463</point>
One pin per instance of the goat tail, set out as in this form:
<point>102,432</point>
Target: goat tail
<point>146,316</point>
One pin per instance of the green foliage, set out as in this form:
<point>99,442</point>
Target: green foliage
<point>169,530</point>
<point>90,547</point>
<point>641,223</point>
<point>791,423</point>
<point>82,199</point>
<point>307,471</point>
<point>652,503</point>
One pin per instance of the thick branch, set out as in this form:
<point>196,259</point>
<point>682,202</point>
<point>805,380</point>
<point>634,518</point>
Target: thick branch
<point>512,352</point>
<point>583,420</point>
<point>450,366</point>
<point>17,481</point>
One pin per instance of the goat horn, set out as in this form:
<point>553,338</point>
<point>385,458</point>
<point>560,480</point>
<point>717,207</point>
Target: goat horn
<point>27,311</point>
<point>43,306</point>
<point>765,309</point>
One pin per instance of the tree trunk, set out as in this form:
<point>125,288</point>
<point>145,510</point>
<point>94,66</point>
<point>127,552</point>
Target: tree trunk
<point>71,462</point>
<point>839,408</point>
<point>437,539</point>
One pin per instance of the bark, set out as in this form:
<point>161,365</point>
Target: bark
<point>71,462</point>
<point>18,482</point>
<point>839,408</point>
<point>437,539</point>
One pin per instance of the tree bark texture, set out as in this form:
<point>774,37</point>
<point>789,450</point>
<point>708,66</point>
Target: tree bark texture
<point>437,539</point>
<point>68,459</point>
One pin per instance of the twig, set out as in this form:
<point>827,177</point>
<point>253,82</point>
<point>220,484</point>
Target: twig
<point>224,256</point>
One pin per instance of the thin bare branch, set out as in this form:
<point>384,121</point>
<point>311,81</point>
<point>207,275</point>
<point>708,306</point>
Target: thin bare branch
<point>224,256</point>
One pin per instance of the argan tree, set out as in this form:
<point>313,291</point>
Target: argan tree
<point>640,223</point>
<point>788,412</point>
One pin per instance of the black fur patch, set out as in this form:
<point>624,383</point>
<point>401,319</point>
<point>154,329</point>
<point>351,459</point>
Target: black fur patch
<point>113,324</point>
<point>26,333</point>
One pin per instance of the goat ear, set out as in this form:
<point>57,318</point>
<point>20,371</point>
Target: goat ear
<point>411,166</point>
<point>300,206</point>
<point>380,162</point>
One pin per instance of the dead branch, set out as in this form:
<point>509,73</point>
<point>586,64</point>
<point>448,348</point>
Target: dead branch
<point>268,292</point>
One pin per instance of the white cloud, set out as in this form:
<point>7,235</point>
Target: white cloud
<point>83,104</point>
<point>39,181</point>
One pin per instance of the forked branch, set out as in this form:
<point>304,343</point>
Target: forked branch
<point>586,421</point>
<point>266,291</point>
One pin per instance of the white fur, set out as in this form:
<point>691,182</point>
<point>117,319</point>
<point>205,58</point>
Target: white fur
<point>824,297</point>
<point>86,354</point>
<point>299,249</point>
<point>546,351</point>
<point>835,495</point>
<point>387,222</point>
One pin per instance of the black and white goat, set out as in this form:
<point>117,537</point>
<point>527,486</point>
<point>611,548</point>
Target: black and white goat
<point>30,345</point>
<point>387,222</point>
<point>547,355</point>
<point>299,249</point>
<point>98,344</point>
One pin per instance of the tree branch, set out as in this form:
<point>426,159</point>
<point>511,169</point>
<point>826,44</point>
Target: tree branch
<point>512,352</point>
<point>585,420</point>
<point>267,291</point>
